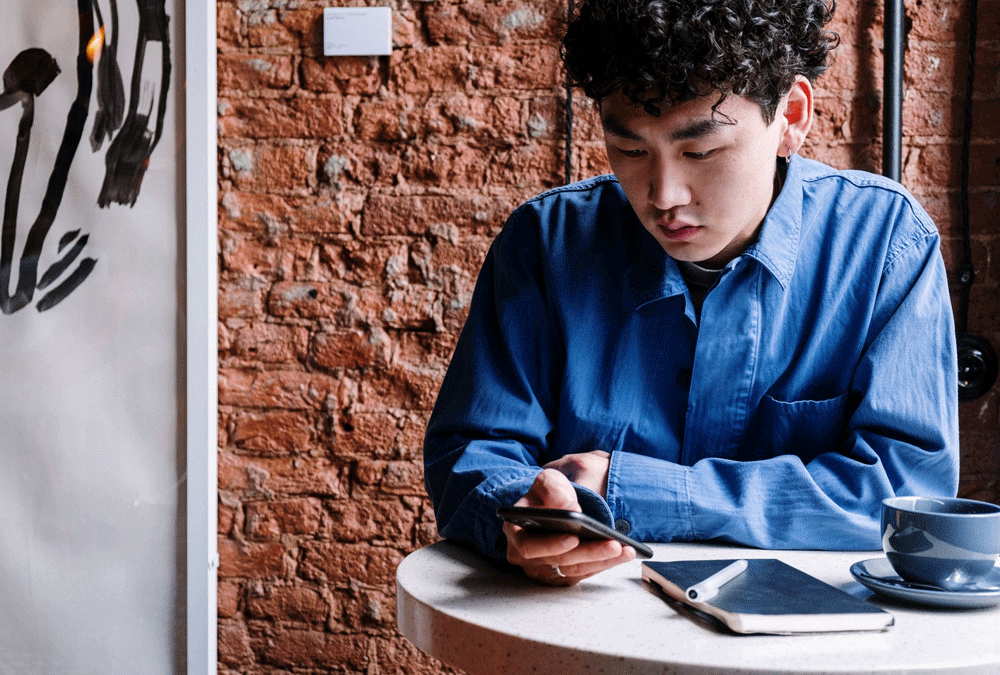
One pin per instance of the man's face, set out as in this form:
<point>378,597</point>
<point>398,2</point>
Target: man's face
<point>700,181</point>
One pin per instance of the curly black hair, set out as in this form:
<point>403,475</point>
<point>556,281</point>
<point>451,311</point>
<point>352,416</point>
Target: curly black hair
<point>671,51</point>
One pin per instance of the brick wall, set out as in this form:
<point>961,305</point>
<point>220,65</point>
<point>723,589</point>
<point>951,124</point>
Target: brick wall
<point>357,199</point>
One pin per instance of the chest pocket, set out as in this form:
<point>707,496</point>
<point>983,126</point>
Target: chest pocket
<point>803,428</point>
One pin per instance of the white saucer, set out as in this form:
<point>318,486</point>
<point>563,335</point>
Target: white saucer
<point>878,575</point>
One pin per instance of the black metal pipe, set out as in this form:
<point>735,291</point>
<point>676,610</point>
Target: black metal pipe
<point>892,95</point>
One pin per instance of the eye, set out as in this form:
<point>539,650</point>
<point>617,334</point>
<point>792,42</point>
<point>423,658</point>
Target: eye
<point>700,155</point>
<point>631,153</point>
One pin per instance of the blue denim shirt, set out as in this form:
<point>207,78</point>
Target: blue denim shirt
<point>819,378</point>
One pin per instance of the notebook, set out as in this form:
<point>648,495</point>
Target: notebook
<point>769,597</point>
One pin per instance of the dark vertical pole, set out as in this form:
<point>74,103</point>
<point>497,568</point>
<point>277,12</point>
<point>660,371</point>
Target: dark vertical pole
<point>892,109</point>
<point>569,107</point>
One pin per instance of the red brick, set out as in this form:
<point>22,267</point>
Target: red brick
<point>301,214</point>
<point>240,297</point>
<point>586,120</point>
<point>272,432</point>
<point>380,478</point>
<point>292,390</point>
<point>255,478</point>
<point>386,120</point>
<point>493,22</point>
<point>287,26</point>
<point>987,82</point>
<point>343,74</point>
<point>397,655</point>
<point>939,19</point>
<point>351,349</point>
<point>360,264</point>
<point>269,520</point>
<point>227,25</point>
<point>243,72</point>
<point>234,645</point>
<point>428,69</point>
<point>428,350</point>
<point>226,519</point>
<point>250,559</point>
<point>936,67</point>
<point>293,648</point>
<point>391,434</point>
<point>517,67</point>
<point>400,387</point>
<point>932,114</point>
<point>386,521</point>
<point>288,603</point>
<point>339,563</point>
<point>417,214</point>
<point>590,161</point>
<point>261,254</point>
<point>528,166</point>
<point>371,609</point>
<point>272,167</point>
<point>281,118</point>
<point>228,598</point>
<point>261,342</point>
<point>448,165</point>
<point>930,165</point>
<point>986,117</point>
<point>304,299</point>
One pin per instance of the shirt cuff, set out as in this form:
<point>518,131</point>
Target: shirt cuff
<point>648,497</point>
<point>594,505</point>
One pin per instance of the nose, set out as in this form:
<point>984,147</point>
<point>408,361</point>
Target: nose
<point>668,188</point>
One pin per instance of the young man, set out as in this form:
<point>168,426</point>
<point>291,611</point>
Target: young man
<point>724,340</point>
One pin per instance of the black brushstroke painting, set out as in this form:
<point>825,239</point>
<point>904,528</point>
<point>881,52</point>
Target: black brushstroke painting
<point>110,90</point>
<point>127,157</point>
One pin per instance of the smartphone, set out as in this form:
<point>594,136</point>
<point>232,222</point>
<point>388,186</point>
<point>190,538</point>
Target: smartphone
<point>571,522</point>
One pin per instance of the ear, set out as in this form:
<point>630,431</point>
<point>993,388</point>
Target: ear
<point>798,116</point>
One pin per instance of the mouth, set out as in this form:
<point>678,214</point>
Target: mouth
<point>677,231</point>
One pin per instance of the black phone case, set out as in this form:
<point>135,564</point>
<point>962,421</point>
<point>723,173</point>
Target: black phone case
<point>571,522</point>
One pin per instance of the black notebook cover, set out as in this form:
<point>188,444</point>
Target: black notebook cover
<point>769,597</point>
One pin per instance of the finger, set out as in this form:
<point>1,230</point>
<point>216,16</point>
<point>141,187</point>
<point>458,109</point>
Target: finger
<point>551,489</point>
<point>576,461</point>
<point>547,552</point>
<point>570,575</point>
<point>590,552</point>
<point>524,546</point>
<point>550,575</point>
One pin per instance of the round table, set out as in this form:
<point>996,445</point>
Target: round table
<point>487,620</point>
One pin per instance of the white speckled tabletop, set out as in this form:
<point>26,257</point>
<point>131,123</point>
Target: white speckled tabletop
<point>461,609</point>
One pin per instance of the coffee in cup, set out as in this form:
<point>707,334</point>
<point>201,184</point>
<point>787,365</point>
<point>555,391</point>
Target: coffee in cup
<point>947,542</point>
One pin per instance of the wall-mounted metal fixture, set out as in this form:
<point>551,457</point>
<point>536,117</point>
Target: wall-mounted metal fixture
<point>892,90</point>
<point>977,361</point>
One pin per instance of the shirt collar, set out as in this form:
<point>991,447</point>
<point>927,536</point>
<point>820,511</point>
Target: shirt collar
<point>651,273</point>
<point>777,245</point>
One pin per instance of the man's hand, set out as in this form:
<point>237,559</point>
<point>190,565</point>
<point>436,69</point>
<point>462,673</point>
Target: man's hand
<point>589,469</point>
<point>540,555</point>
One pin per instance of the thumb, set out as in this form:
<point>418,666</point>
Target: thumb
<point>553,490</point>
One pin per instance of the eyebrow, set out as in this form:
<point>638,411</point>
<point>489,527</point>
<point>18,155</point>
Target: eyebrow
<point>696,129</point>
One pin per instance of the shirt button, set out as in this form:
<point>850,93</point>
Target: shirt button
<point>684,378</point>
<point>622,526</point>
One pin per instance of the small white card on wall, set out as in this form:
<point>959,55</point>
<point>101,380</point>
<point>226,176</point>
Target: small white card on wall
<point>357,31</point>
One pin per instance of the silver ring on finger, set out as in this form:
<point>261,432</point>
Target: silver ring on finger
<point>558,572</point>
